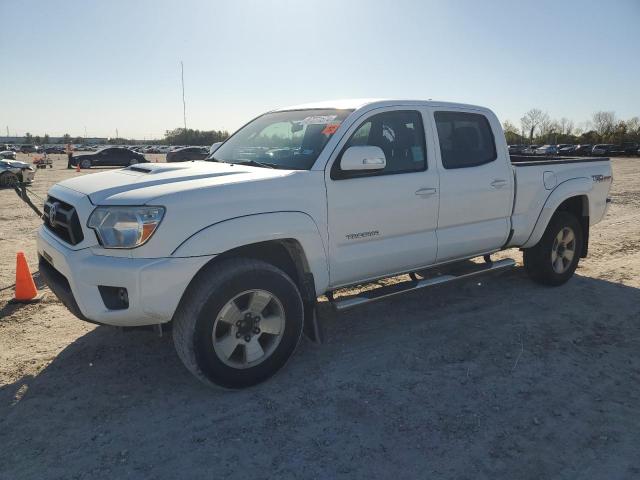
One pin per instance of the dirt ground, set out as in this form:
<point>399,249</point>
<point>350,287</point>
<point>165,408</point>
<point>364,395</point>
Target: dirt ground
<point>498,378</point>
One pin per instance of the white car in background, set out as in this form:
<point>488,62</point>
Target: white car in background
<point>13,172</point>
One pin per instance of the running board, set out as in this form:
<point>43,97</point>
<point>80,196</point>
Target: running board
<point>411,286</point>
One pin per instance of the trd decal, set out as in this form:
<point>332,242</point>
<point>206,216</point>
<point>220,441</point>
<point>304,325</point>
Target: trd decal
<point>601,178</point>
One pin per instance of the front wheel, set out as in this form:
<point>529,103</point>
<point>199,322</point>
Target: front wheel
<point>555,258</point>
<point>238,323</point>
<point>85,163</point>
<point>8,180</point>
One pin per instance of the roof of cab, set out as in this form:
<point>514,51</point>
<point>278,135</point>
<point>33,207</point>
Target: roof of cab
<point>357,103</point>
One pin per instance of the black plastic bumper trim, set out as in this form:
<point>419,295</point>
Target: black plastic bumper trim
<point>59,285</point>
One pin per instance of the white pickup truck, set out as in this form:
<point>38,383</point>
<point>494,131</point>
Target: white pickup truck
<point>233,252</point>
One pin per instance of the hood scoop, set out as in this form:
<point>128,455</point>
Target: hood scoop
<point>140,169</point>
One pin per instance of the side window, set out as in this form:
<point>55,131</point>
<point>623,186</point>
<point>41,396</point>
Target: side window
<point>400,135</point>
<point>466,139</point>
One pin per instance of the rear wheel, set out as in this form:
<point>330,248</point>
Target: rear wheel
<point>238,323</point>
<point>133,161</point>
<point>555,258</point>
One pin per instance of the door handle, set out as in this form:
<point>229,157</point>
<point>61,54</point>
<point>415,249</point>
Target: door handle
<point>498,183</point>
<point>426,192</point>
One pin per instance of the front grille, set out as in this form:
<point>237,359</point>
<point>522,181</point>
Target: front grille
<point>62,219</point>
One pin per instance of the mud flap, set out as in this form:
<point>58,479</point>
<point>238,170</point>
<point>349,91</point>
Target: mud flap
<point>312,327</point>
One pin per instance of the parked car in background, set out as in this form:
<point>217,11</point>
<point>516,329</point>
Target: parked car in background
<point>607,149</point>
<point>567,150</point>
<point>28,149</point>
<point>530,150</point>
<point>600,149</point>
<point>109,157</point>
<point>547,150</point>
<point>58,149</point>
<point>630,148</point>
<point>188,153</point>
<point>516,149</point>
<point>13,172</point>
<point>583,149</point>
<point>8,154</point>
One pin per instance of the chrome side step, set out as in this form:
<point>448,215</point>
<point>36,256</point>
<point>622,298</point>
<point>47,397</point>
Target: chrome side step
<point>417,284</point>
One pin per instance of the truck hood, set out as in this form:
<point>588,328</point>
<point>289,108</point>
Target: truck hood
<point>141,183</point>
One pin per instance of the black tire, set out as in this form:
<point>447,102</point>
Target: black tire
<point>8,180</point>
<point>85,163</point>
<point>538,259</point>
<point>208,293</point>
<point>133,161</point>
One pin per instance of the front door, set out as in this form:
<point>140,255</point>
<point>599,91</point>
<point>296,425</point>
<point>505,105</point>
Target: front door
<point>383,222</point>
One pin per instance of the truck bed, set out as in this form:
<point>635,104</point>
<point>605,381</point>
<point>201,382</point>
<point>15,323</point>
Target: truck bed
<point>529,160</point>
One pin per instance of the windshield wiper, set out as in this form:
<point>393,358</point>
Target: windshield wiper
<point>255,163</point>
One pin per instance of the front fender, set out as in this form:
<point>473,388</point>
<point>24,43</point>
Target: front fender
<point>571,188</point>
<point>240,231</point>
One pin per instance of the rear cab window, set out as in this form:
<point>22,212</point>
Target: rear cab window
<point>466,139</point>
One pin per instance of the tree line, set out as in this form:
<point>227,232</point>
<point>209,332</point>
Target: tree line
<point>181,136</point>
<point>538,127</point>
<point>178,136</point>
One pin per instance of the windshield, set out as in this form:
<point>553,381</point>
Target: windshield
<point>290,140</point>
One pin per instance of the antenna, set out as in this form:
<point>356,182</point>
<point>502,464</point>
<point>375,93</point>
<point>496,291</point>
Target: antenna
<point>184,105</point>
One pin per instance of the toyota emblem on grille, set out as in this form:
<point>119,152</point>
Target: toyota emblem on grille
<point>52,214</point>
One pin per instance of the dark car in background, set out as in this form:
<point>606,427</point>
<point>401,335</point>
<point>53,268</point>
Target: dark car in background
<point>109,157</point>
<point>630,148</point>
<point>54,149</point>
<point>516,149</point>
<point>583,149</point>
<point>567,150</point>
<point>603,149</point>
<point>28,149</point>
<point>188,153</point>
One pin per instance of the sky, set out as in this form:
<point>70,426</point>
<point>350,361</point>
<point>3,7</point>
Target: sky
<point>71,66</point>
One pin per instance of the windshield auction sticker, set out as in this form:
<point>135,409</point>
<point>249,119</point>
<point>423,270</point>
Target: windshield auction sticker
<point>330,129</point>
<point>317,120</point>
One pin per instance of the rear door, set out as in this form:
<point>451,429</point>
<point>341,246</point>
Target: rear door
<point>476,183</point>
<point>383,222</point>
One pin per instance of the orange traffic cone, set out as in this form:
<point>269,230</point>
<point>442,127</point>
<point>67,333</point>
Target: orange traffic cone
<point>25,287</point>
<point>78,167</point>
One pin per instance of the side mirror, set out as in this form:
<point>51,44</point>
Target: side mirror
<point>363,158</point>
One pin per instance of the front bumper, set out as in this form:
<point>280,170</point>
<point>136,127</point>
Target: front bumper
<point>154,285</point>
<point>28,175</point>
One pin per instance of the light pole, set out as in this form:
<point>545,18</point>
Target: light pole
<point>184,105</point>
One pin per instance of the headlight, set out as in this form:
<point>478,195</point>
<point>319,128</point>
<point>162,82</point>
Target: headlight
<point>125,227</point>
